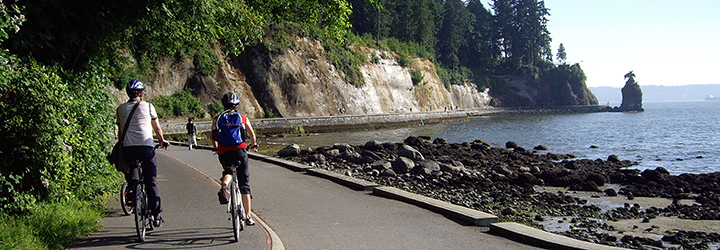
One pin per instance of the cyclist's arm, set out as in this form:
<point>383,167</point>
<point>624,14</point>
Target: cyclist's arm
<point>158,131</point>
<point>213,134</point>
<point>250,132</point>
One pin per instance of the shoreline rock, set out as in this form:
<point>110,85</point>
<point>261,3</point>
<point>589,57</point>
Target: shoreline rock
<point>502,180</point>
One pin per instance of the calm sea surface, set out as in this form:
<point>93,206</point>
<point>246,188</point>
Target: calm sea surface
<point>682,137</point>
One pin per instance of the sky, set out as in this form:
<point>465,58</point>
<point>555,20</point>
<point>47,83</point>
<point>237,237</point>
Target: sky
<point>663,42</point>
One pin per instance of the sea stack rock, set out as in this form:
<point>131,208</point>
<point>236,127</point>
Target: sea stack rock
<point>631,96</point>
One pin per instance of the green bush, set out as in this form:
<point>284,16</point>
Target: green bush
<point>182,103</point>
<point>206,61</point>
<point>416,76</point>
<point>215,107</point>
<point>403,61</point>
<point>54,133</point>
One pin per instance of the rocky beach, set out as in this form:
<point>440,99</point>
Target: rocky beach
<point>604,201</point>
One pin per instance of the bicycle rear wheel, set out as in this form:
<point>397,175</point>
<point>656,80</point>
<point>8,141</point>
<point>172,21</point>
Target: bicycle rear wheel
<point>141,212</point>
<point>235,212</point>
<point>127,209</point>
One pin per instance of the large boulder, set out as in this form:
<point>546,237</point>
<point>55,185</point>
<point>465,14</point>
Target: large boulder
<point>381,165</point>
<point>426,168</point>
<point>410,152</point>
<point>402,165</point>
<point>373,145</point>
<point>343,147</point>
<point>290,150</point>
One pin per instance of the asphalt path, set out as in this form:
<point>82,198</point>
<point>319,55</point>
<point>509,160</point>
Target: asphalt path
<point>193,217</point>
<point>304,211</point>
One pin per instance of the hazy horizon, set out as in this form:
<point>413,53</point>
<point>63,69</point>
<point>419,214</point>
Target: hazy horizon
<point>664,42</point>
<point>653,93</point>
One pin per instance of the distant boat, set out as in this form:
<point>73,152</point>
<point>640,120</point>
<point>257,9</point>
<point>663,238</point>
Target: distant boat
<point>712,98</point>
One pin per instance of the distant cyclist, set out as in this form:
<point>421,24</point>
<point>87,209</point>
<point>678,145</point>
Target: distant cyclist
<point>230,131</point>
<point>138,145</point>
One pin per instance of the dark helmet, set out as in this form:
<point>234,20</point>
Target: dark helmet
<point>134,87</point>
<point>230,100</point>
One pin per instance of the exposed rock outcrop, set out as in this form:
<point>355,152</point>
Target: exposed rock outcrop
<point>631,96</point>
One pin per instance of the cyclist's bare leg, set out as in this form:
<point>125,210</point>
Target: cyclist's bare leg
<point>246,203</point>
<point>225,181</point>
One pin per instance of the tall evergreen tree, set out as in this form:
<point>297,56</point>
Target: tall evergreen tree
<point>523,30</point>
<point>482,49</point>
<point>561,54</point>
<point>452,35</point>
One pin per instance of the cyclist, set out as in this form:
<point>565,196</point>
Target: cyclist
<point>230,130</point>
<point>139,147</point>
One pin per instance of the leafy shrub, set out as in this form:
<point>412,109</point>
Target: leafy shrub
<point>215,107</point>
<point>179,104</point>
<point>278,37</point>
<point>403,61</point>
<point>54,133</point>
<point>416,76</point>
<point>206,61</point>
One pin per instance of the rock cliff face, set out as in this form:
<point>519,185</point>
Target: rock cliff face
<point>302,82</point>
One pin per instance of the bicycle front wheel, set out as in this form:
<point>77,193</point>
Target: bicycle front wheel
<point>127,209</point>
<point>141,214</point>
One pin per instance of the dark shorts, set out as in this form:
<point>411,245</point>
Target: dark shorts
<point>237,158</point>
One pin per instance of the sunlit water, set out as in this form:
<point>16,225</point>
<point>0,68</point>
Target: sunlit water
<point>679,136</point>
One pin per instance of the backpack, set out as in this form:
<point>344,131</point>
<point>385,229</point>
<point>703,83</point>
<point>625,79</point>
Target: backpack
<point>231,129</point>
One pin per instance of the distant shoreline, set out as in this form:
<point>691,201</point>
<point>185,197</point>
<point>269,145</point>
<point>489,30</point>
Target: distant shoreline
<point>324,124</point>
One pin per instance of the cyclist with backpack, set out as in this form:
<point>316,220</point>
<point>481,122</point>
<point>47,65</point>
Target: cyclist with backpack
<point>230,131</point>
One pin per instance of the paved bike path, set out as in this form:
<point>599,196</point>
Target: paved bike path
<point>193,217</point>
<point>308,212</point>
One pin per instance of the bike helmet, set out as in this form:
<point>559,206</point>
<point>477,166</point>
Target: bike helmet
<point>230,100</point>
<point>134,87</point>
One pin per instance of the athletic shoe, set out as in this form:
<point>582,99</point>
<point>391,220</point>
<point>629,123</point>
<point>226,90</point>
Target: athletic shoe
<point>222,198</point>
<point>158,222</point>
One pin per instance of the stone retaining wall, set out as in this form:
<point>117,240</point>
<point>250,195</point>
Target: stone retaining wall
<point>334,123</point>
<point>353,122</point>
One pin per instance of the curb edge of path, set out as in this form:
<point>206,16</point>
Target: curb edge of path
<point>511,230</point>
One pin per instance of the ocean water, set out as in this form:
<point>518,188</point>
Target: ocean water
<point>683,137</point>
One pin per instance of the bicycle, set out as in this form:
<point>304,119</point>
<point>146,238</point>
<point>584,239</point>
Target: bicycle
<point>235,206</point>
<point>143,219</point>
<point>142,212</point>
<point>127,208</point>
